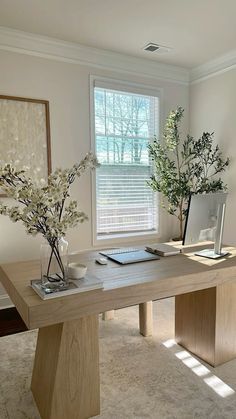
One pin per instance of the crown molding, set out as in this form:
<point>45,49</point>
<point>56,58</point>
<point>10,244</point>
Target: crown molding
<point>214,67</point>
<point>54,49</point>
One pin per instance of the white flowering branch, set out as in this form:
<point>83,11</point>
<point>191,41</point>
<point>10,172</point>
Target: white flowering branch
<point>43,209</point>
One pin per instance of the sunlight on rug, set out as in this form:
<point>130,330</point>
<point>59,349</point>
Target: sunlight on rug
<point>140,377</point>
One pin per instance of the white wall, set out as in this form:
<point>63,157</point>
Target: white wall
<point>212,108</point>
<point>66,86</point>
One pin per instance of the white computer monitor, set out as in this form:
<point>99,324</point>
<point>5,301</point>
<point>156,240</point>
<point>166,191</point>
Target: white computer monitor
<point>205,222</point>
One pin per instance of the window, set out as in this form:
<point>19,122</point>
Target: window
<point>125,122</point>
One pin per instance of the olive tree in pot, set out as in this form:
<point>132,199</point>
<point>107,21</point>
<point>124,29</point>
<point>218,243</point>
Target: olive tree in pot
<point>182,167</point>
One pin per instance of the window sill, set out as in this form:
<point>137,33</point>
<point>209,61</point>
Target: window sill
<point>126,238</point>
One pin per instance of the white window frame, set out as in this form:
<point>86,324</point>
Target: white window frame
<point>134,88</point>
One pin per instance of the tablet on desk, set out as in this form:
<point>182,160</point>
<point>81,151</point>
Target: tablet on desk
<point>132,257</point>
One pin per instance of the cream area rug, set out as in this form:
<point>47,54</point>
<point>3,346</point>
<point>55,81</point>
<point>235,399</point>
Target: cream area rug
<point>140,377</point>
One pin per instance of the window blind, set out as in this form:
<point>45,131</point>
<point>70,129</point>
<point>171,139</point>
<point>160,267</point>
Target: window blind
<point>125,122</point>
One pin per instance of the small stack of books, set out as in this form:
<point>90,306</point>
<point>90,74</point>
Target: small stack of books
<point>162,249</point>
<point>88,283</point>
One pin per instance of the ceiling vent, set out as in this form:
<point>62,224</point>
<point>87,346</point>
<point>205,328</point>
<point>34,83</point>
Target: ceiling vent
<point>160,49</point>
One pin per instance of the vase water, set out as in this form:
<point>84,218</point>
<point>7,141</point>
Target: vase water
<point>54,265</point>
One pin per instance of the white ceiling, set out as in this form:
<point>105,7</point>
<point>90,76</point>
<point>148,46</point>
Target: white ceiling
<point>197,30</point>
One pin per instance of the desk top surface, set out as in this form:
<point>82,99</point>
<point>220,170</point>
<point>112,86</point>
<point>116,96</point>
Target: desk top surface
<point>123,285</point>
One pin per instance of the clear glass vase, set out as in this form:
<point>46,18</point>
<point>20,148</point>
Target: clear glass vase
<point>54,265</point>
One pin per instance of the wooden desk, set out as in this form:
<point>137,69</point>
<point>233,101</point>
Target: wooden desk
<point>65,381</point>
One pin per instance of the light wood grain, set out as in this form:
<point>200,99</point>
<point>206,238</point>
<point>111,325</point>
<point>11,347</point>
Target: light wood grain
<point>123,285</point>
<point>145,318</point>
<point>225,335</point>
<point>108,315</point>
<point>65,381</point>
<point>205,323</point>
<point>16,297</point>
<point>195,315</point>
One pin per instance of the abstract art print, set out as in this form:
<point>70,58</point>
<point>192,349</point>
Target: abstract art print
<point>25,136</point>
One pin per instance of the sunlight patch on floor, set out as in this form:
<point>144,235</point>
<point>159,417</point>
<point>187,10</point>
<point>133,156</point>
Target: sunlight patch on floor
<point>214,382</point>
<point>169,343</point>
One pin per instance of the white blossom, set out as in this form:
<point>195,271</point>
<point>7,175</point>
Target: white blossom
<point>42,209</point>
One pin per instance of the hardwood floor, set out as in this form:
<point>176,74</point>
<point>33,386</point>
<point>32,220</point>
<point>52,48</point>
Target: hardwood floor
<point>11,322</point>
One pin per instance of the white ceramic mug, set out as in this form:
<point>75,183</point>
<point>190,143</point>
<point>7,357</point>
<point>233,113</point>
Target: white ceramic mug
<point>76,270</point>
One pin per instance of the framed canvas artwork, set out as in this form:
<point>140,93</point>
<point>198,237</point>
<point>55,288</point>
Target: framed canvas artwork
<point>25,136</point>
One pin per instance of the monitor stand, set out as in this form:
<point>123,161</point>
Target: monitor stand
<point>211,254</point>
<point>217,252</point>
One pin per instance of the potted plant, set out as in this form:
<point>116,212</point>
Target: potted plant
<point>182,167</point>
<point>44,209</point>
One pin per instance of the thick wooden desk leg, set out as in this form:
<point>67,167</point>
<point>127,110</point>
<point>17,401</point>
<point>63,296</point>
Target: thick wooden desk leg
<point>65,381</point>
<point>205,323</point>
<point>108,315</point>
<point>145,318</point>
